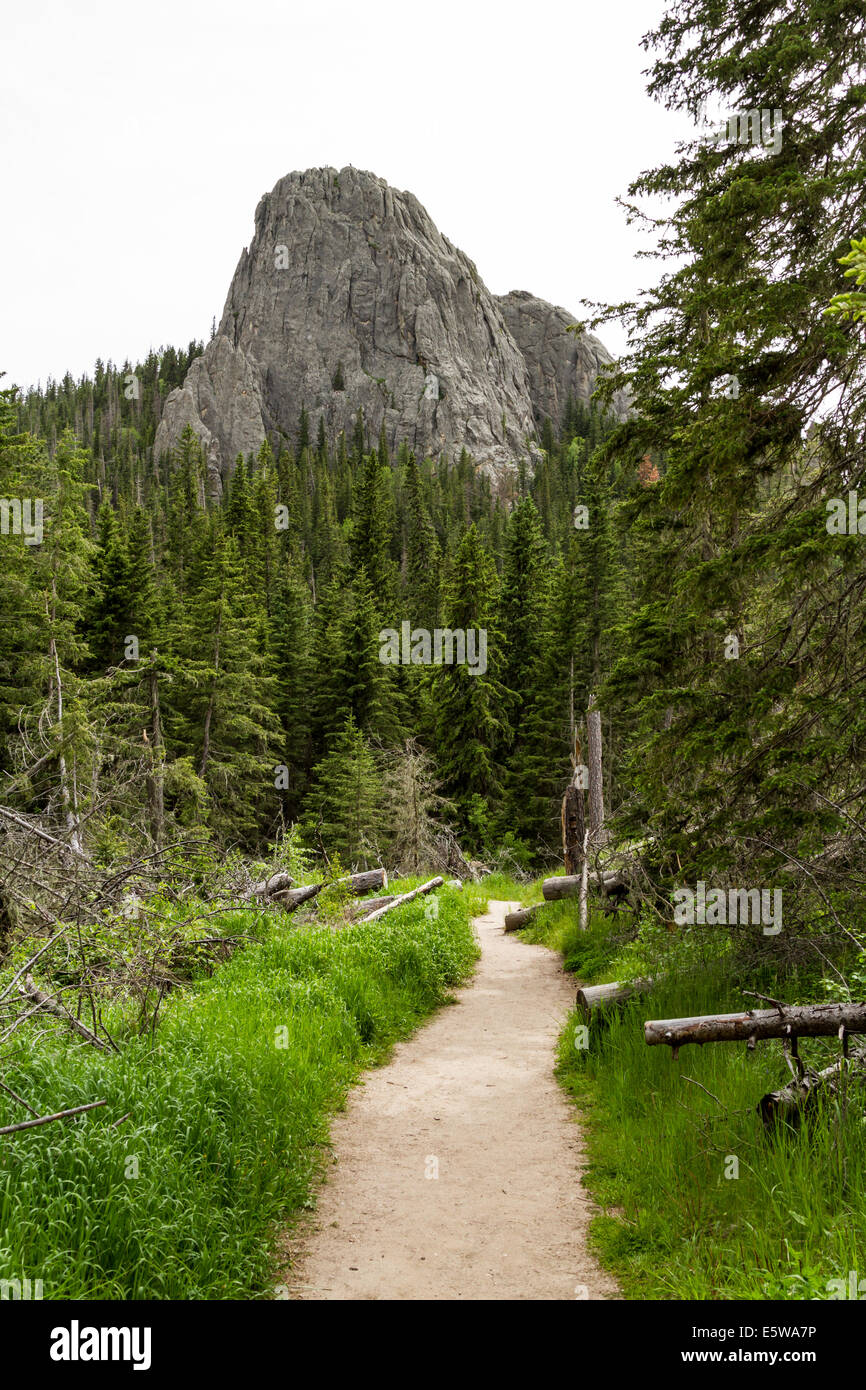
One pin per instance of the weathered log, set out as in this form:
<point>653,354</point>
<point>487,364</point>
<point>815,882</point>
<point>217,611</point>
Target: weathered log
<point>592,998</point>
<point>404,898</point>
<point>515,921</point>
<point>568,885</point>
<point>358,909</point>
<point>794,1021</point>
<point>290,898</point>
<point>366,881</point>
<point>791,1103</point>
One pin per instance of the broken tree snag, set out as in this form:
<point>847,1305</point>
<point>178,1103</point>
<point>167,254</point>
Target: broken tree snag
<point>573,819</point>
<point>277,883</point>
<point>516,921</point>
<point>792,1102</point>
<point>794,1021</point>
<point>592,998</point>
<point>51,1006</point>
<point>568,885</point>
<point>404,898</point>
<point>597,832</point>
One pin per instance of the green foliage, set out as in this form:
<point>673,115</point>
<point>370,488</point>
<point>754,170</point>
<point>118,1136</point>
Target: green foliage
<point>229,1105</point>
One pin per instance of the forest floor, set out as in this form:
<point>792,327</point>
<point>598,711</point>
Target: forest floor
<point>456,1166</point>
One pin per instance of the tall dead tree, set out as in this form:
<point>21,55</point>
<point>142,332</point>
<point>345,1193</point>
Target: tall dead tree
<point>596,785</point>
<point>156,770</point>
<point>574,815</point>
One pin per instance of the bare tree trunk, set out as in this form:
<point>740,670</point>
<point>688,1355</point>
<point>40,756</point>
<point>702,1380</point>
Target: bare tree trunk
<point>156,777</point>
<point>404,898</point>
<point>568,885</point>
<point>596,784</point>
<point>583,918</point>
<point>573,814</point>
<point>788,1021</point>
<point>70,809</point>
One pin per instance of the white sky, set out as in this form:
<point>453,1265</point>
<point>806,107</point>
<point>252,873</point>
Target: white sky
<point>137,140</point>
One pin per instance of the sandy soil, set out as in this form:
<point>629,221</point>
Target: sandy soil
<point>471,1097</point>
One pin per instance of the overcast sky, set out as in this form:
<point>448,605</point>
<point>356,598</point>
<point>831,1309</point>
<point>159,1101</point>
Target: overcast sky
<point>137,140</point>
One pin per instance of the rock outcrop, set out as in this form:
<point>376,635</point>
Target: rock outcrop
<point>221,398</point>
<point>559,363</point>
<point>349,298</point>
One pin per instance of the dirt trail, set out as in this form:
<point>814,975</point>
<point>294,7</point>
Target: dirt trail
<point>473,1093</point>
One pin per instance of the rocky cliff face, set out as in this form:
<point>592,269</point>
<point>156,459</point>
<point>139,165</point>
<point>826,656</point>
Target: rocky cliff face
<point>559,363</point>
<point>349,297</point>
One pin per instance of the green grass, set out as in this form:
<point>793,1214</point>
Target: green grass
<point>224,1142</point>
<point>660,1149</point>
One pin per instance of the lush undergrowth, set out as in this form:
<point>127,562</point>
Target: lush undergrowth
<point>228,1107</point>
<point>697,1200</point>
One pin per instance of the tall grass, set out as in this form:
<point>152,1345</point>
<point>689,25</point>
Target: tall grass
<point>700,1200</point>
<point>229,1111</point>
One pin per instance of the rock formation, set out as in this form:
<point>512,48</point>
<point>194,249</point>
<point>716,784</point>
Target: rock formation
<point>560,363</point>
<point>348,298</point>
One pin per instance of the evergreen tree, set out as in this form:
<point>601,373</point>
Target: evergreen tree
<point>345,805</point>
<point>469,707</point>
<point>747,735</point>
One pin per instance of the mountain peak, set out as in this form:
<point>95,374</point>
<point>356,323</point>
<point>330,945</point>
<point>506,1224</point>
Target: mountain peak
<point>349,298</point>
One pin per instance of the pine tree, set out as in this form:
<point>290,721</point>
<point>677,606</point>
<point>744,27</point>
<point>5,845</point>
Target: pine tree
<point>344,812</point>
<point>521,613</point>
<point>469,708</point>
<point>748,735</point>
<point>226,725</point>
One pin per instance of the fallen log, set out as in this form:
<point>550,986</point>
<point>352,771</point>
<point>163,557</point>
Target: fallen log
<point>366,881</point>
<point>358,909</point>
<point>404,898</point>
<point>58,1115</point>
<point>592,998</point>
<point>792,1102</point>
<point>515,921</point>
<point>290,898</point>
<point>568,885</point>
<point>792,1021</point>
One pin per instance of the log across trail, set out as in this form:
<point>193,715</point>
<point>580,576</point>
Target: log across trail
<point>472,1097</point>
